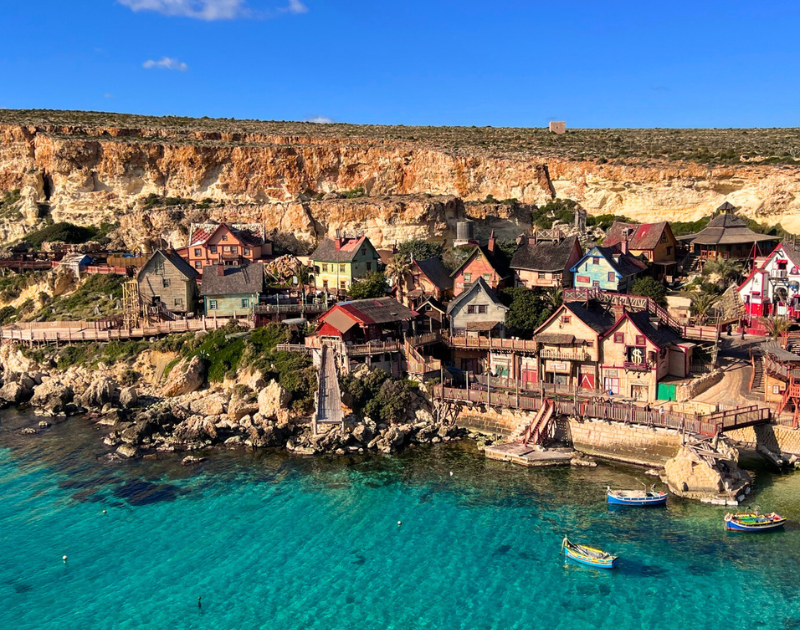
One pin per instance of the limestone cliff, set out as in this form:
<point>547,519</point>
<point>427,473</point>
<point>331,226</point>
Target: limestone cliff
<point>85,173</point>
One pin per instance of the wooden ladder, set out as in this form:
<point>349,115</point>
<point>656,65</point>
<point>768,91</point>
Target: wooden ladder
<point>536,431</point>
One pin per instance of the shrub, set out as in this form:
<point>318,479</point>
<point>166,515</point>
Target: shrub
<point>420,249</point>
<point>62,232</point>
<point>372,285</point>
<point>652,288</point>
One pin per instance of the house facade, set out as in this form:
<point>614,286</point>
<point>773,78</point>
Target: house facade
<point>225,244</point>
<point>545,262</point>
<point>654,241</point>
<point>487,263</point>
<point>232,291</point>
<point>608,269</point>
<point>428,278</point>
<point>638,353</point>
<point>167,279</point>
<point>340,261</point>
<point>774,288</point>
<point>363,321</point>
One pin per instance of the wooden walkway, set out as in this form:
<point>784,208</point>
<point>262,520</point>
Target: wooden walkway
<point>329,397</point>
<point>69,332</point>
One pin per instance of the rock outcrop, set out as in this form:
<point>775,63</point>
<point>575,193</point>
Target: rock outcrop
<point>185,377</point>
<point>52,397</point>
<point>697,472</point>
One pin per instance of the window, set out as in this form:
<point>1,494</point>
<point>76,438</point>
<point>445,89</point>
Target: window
<point>363,251</point>
<point>669,250</point>
<point>540,275</point>
<point>224,237</point>
<point>595,283</point>
<point>325,284</point>
<point>611,276</point>
<point>595,260</point>
<point>467,277</point>
<point>212,305</point>
<point>482,308</point>
<point>198,252</point>
<point>165,282</point>
<point>566,319</point>
<point>234,249</point>
<point>213,249</point>
<point>471,309</point>
<point>663,237</point>
<point>159,267</point>
<point>245,302</point>
<point>178,301</point>
<point>246,251</point>
<point>341,268</point>
<point>342,285</point>
<point>487,277</point>
<point>619,337</point>
<point>369,266</point>
<point>198,265</point>
<point>324,266</point>
<point>640,340</point>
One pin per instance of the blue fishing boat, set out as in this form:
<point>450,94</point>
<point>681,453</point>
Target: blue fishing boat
<point>753,522</point>
<point>588,555</point>
<point>642,498</point>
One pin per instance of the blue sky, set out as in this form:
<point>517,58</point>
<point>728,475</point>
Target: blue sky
<point>506,63</point>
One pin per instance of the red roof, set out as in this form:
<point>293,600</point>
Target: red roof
<point>644,236</point>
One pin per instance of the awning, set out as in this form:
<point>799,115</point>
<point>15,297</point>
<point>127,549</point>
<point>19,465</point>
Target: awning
<point>665,263</point>
<point>555,339</point>
<point>481,326</point>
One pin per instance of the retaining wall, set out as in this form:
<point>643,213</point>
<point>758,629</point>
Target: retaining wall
<point>775,437</point>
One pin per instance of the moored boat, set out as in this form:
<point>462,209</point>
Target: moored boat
<point>636,497</point>
<point>753,522</point>
<point>588,555</point>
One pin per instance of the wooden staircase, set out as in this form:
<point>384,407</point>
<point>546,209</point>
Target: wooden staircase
<point>757,380</point>
<point>536,432</point>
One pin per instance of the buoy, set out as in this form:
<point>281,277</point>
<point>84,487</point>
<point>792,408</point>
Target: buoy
<point>451,473</point>
<point>64,558</point>
<point>104,512</point>
<point>399,523</point>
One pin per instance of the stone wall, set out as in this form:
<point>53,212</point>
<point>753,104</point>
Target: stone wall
<point>776,438</point>
<point>697,386</point>
<point>494,420</point>
<point>626,443</point>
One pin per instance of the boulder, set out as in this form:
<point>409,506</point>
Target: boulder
<point>52,397</point>
<point>13,393</point>
<point>273,401</point>
<point>185,378</point>
<point>209,405</point>
<point>101,392</point>
<point>190,460</point>
<point>242,405</point>
<point>195,429</point>
<point>128,397</point>
<point>127,450</point>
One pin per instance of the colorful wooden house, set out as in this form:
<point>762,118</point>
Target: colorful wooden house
<point>362,321</point>
<point>774,288</point>
<point>652,241</point>
<point>232,291</point>
<point>487,263</point>
<point>428,278</point>
<point>339,261</point>
<point>637,353</point>
<point>167,282</point>
<point>545,260</point>
<point>608,268</point>
<point>727,236</point>
<point>569,345</point>
<point>225,244</point>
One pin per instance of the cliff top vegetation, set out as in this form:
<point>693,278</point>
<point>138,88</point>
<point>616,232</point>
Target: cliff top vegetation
<point>703,146</point>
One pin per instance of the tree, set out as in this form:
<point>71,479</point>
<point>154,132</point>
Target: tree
<point>727,270</point>
<point>554,296</point>
<point>776,326</point>
<point>701,306</point>
<point>420,249</point>
<point>652,288</point>
<point>526,310</point>
<point>397,269</point>
<point>372,285</point>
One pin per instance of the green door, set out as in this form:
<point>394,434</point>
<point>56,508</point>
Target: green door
<point>666,391</point>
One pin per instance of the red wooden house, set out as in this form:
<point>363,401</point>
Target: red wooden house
<point>361,321</point>
<point>225,244</point>
<point>486,262</point>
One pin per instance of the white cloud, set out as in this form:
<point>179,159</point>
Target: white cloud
<point>210,10</point>
<point>321,120</point>
<point>166,63</point>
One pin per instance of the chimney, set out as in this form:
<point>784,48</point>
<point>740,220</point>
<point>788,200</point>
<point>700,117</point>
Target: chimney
<point>522,240</point>
<point>618,311</point>
<point>338,241</point>
<point>492,243</point>
<point>220,270</point>
<point>624,242</point>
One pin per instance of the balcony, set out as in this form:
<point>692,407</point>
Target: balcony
<point>638,367</point>
<point>565,355</point>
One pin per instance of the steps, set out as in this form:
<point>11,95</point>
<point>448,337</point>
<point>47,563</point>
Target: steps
<point>758,375</point>
<point>537,430</point>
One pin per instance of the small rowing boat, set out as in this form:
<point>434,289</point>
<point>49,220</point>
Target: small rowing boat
<point>637,497</point>
<point>588,555</point>
<point>753,522</point>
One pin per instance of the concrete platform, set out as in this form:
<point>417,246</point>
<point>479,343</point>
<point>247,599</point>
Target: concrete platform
<point>529,456</point>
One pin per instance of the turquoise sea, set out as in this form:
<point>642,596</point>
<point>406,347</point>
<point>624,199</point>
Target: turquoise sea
<point>270,541</point>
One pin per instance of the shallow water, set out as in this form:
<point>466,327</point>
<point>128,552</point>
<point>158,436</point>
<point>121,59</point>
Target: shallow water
<point>274,542</point>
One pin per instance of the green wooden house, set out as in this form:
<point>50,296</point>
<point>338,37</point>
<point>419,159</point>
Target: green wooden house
<point>339,261</point>
<point>232,291</point>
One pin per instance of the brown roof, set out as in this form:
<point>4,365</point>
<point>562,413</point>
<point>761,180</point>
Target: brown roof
<point>728,229</point>
<point>376,310</point>
<point>482,326</point>
<point>234,281</point>
<point>544,255</point>
<point>327,252</point>
<point>643,236</point>
<point>436,272</point>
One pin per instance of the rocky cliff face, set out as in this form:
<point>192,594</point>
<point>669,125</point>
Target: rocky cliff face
<point>93,173</point>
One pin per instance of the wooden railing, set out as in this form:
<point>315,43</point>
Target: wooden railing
<point>271,309</point>
<point>486,343</point>
<point>568,355</point>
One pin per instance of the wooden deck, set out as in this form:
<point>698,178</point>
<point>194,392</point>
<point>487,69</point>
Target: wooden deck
<point>328,397</point>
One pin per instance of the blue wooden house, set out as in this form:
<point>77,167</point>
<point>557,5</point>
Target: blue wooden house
<point>608,268</point>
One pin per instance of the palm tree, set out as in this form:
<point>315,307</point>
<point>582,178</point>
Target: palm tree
<point>727,270</point>
<point>397,269</point>
<point>554,296</point>
<point>701,306</point>
<point>776,326</point>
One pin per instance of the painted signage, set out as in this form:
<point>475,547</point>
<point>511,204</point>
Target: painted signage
<point>558,366</point>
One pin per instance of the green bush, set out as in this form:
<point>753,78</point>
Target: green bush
<point>7,314</point>
<point>420,249</point>
<point>379,396</point>
<point>652,288</point>
<point>62,232</point>
<point>555,210</point>
<point>372,285</point>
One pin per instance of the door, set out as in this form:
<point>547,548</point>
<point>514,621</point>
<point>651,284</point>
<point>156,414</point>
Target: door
<point>639,392</point>
<point>529,378</point>
<point>611,385</point>
<point>667,391</point>
<point>469,365</point>
<point>587,381</point>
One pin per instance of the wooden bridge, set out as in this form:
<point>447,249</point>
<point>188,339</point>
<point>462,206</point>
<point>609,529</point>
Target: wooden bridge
<point>711,424</point>
<point>328,397</point>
